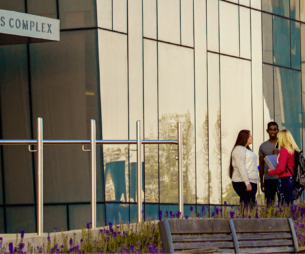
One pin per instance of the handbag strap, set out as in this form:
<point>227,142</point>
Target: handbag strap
<point>289,171</point>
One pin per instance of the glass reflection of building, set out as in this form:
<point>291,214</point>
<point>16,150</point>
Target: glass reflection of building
<point>218,66</point>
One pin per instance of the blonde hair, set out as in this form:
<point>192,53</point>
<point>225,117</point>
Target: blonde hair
<point>286,140</point>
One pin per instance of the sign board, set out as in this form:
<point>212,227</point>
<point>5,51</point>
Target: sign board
<point>28,25</point>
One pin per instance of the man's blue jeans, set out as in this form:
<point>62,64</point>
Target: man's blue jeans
<point>271,189</point>
<point>286,190</point>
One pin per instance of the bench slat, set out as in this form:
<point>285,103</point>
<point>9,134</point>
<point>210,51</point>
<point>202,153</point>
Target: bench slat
<point>265,243</point>
<point>268,250</point>
<point>264,225</point>
<point>199,238</point>
<point>196,238</point>
<point>196,226</point>
<point>264,236</point>
<point>186,246</point>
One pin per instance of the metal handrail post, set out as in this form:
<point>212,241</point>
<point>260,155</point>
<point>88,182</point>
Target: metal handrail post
<point>93,173</point>
<point>40,175</point>
<point>180,169</point>
<point>139,172</point>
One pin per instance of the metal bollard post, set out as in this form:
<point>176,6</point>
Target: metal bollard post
<point>139,172</point>
<point>40,176</point>
<point>180,169</point>
<point>93,173</point>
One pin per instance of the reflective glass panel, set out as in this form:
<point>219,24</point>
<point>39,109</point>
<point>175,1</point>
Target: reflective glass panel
<point>302,10</point>
<point>169,21</point>
<point>68,99</point>
<point>212,25</point>
<point>168,210</point>
<point>113,83</point>
<point>235,76</point>
<point>244,2</point>
<point>267,38</point>
<point>43,8</point>
<point>77,13</point>
<point>187,30</point>
<point>295,9</point>
<point>287,91</point>
<point>133,181</point>
<point>268,96</point>
<point>214,175</point>
<point>16,124</point>
<point>104,13</point>
<point>1,186</point>
<point>152,212</point>
<point>79,216</point>
<point>135,69</point>
<point>201,103</point>
<point>151,121</point>
<point>244,30</point>
<point>13,5</point>
<point>20,218</point>
<point>120,15</point>
<point>116,213</point>
<point>257,79</point>
<point>295,45</point>
<point>302,44</point>
<point>229,28</point>
<point>55,216</point>
<point>281,41</point>
<point>150,18</point>
<point>278,7</point>
<point>190,211</point>
<point>257,4</point>
<point>100,211</point>
<point>176,85</point>
<point>134,213</point>
<point>2,228</point>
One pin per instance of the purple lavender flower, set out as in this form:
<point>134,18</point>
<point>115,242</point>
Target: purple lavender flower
<point>1,238</point>
<point>198,215</point>
<point>160,215</point>
<point>171,214</point>
<point>232,213</point>
<point>166,214</point>
<point>202,209</point>
<point>71,241</point>
<point>11,247</point>
<point>89,225</point>
<point>21,246</point>
<point>213,214</point>
<point>81,240</point>
<point>22,233</point>
<point>101,231</point>
<point>216,210</point>
<point>186,216</point>
<point>225,203</point>
<point>191,208</point>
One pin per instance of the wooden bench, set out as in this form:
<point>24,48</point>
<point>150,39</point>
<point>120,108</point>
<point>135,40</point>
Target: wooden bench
<point>274,235</point>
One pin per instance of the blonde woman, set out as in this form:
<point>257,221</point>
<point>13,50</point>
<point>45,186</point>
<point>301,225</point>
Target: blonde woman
<point>285,168</point>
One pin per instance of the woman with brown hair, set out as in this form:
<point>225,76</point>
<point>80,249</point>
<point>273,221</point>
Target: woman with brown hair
<point>243,168</point>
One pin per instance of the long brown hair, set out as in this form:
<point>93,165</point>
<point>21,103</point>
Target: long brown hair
<point>241,140</point>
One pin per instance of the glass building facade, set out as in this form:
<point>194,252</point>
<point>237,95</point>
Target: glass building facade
<point>218,66</point>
